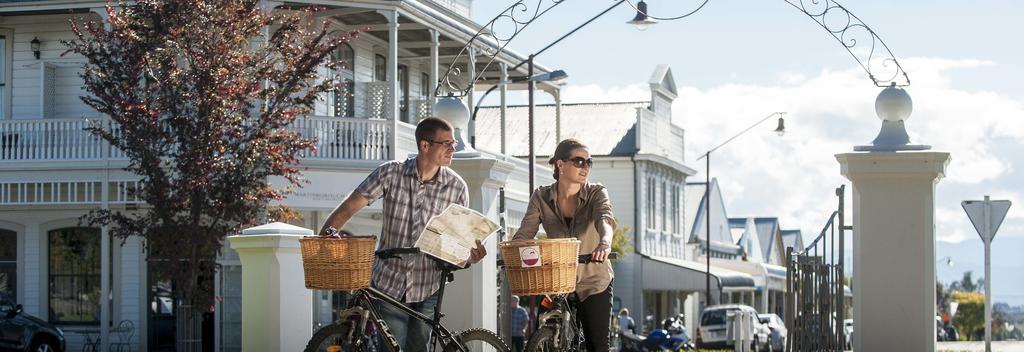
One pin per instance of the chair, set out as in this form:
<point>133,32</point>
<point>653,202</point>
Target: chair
<point>125,332</point>
<point>92,341</point>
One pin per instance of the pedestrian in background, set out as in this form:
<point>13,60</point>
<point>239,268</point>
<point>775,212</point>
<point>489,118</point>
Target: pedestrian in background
<point>520,320</point>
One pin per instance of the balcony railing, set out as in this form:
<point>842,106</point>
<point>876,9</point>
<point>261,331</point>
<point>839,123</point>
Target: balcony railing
<point>338,138</point>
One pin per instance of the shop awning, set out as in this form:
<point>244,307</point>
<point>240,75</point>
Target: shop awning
<point>671,274</point>
<point>766,276</point>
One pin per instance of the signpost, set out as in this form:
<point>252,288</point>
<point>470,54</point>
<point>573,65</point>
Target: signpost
<point>987,215</point>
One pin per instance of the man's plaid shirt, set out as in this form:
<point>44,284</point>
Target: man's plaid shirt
<point>408,206</point>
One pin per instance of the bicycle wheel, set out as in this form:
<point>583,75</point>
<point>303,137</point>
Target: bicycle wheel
<point>337,334</point>
<point>476,340</point>
<point>542,341</point>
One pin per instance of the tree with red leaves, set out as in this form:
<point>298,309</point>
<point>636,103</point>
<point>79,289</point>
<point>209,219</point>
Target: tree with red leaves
<point>200,95</point>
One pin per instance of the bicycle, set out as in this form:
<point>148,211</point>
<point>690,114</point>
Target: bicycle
<point>355,327</point>
<point>560,330</point>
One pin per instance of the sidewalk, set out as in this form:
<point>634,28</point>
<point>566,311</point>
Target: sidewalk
<point>972,346</point>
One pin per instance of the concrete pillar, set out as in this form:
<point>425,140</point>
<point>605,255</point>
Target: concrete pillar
<point>277,312</point>
<point>476,287</point>
<point>894,242</point>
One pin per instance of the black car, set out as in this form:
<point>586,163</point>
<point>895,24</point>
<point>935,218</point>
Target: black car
<point>23,332</point>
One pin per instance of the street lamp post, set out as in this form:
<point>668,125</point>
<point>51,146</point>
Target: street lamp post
<point>780,130</point>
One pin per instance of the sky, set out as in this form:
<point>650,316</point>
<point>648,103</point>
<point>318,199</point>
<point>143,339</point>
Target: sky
<point>735,62</point>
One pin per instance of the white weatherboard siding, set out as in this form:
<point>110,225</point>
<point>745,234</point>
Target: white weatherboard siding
<point>26,80</point>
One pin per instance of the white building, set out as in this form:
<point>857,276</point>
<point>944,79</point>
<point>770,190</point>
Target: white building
<point>638,154</point>
<point>52,172</point>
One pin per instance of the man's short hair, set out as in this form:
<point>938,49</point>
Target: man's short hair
<point>427,128</point>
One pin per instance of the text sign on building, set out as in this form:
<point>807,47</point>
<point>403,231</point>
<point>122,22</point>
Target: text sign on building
<point>986,215</point>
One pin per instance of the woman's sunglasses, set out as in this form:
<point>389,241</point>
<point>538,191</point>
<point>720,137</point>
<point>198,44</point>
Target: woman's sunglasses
<point>579,162</point>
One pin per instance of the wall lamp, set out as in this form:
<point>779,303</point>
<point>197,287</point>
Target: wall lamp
<point>35,47</point>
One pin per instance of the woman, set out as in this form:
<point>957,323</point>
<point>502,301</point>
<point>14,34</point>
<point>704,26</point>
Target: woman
<point>574,208</point>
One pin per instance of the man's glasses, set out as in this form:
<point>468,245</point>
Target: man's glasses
<point>449,144</point>
<point>579,162</point>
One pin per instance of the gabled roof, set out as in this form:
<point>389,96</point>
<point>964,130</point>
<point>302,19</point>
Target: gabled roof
<point>793,238</point>
<point>606,128</point>
<point>766,232</point>
<point>662,77</point>
<point>721,235</point>
<point>750,240</point>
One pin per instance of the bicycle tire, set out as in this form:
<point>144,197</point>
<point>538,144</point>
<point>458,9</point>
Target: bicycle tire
<point>323,338</point>
<point>540,341</point>
<point>468,337</point>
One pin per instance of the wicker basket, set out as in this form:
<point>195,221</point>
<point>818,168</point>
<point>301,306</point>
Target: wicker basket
<point>339,264</point>
<point>556,273</point>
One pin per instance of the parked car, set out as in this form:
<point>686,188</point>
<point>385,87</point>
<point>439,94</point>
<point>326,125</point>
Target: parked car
<point>712,331</point>
<point>848,333</point>
<point>23,332</point>
<point>777,328</point>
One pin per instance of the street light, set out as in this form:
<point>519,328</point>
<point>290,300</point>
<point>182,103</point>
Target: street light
<point>641,20</point>
<point>780,130</point>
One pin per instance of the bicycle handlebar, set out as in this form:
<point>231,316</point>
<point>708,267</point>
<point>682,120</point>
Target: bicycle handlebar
<point>583,259</point>
<point>395,252</point>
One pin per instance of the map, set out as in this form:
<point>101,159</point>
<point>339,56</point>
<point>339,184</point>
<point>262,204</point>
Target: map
<point>451,235</point>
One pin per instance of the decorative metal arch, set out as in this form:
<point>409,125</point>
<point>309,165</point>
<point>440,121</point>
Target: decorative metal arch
<point>517,17</point>
<point>873,56</point>
<point>866,47</point>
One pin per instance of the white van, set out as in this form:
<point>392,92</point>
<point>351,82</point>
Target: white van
<point>712,331</point>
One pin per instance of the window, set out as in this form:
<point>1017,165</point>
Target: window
<point>403,92</point>
<point>425,86</point>
<point>664,206</point>
<point>650,203</point>
<point>3,77</point>
<point>344,98</point>
<point>9,263</point>
<point>675,210</point>
<point>380,68</point>
<point>74,277</point>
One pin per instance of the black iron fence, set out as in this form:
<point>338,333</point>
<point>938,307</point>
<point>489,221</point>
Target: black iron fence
<point>816,289</point>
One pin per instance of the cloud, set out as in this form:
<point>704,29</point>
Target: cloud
<point>794,177</point>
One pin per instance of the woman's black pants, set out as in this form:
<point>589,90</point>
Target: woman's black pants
<point>595,315</point>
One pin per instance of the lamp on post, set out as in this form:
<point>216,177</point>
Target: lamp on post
<point>780,130</point>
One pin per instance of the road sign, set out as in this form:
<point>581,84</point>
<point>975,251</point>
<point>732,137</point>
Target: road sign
<point>987,215</point>
<point>991,211</point>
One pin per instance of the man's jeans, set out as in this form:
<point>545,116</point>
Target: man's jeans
<point>412,334</point>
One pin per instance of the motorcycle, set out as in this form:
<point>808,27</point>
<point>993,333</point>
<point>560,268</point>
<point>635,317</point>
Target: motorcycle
<point>671,337</point>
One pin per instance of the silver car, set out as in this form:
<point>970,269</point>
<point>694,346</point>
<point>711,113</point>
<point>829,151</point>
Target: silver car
<point>777,338</point>
<point>713,329</point>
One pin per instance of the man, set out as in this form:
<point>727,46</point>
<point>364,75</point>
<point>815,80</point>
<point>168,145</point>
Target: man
<point>626,323</point>
<point>414,190</point>
<point>520,320</point>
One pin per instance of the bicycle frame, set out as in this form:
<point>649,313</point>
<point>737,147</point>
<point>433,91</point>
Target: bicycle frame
<point>362,298</point>
<point>563,319</point>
